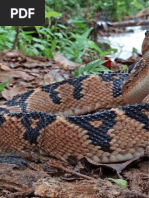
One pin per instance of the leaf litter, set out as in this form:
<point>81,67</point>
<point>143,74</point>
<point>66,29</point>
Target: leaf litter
<point>48,177</point>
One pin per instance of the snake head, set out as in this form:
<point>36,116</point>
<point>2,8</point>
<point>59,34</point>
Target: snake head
<point>145,47</point>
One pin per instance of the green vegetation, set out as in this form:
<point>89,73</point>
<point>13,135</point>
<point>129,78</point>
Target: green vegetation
<point>124,68</point>
<point>119,182</point>
<point>94,67</point>
<point>117,9</point>
<point>72,45</point>
<point>3,85</point>
<point>68,30</point>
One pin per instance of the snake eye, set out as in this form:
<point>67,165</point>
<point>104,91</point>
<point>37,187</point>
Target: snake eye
<point>146,32</point>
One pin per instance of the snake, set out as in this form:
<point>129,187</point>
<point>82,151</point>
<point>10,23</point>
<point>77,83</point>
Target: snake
<point>60,119</point>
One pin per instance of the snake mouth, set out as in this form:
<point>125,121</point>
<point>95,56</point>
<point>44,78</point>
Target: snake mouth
<point>136,87</point>
<point>146,56</point>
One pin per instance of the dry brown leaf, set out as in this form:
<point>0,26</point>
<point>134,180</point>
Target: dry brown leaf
<point>15,74</point>
<point>15,55</point>
<point>52,76</point>
<point>64,62</point>
<point>11,92</point>
<point>4,67</point>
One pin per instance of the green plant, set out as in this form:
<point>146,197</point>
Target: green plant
<point>3,85</point>
<point>119,182</point>
<point>77,49</point>
<point>67,28</point>
<point>134,49</point>
<point>94,67</point>
<point>7,36</point>
<point>124,68</point>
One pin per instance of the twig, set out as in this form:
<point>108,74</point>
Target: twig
<point>16,42</point>
<point>70,171</point>
<point>139,195</point>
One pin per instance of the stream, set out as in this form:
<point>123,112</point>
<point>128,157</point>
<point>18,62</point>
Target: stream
<point>125,42</point>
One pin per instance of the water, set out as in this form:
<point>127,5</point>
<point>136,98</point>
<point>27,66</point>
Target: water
<point>125,42</point>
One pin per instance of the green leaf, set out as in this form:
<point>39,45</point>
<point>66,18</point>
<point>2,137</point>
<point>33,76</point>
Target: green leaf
<point>137,4</point>
<point>109,52</point>
<point>48,30</point>
<point>94,67</point>
<point>94,46</point>
<point>59,35</point>
<point>82,25</point>
<point>53,45</point>
<point>41,47</point>
<point>30,38</point>
<point>3,85</point>
<point>87,33</point>
<point>29,32</point>
<point>72,21</point>
<point>51,14</point>
<point>44,42</point>
<point>62,26</point>
<point>38,28</point>
<point>95,63</point>
<point>86,72</point>
<point>119,182</point>
<point>134,49</point>
<point>124,68</point>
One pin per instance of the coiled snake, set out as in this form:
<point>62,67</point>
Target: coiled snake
<point>48,120</point>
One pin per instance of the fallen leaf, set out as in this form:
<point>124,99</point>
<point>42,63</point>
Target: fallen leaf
<point>64,62</point>
<point>120,182</point>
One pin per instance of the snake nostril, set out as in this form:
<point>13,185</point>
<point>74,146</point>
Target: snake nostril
<point>146,32</point>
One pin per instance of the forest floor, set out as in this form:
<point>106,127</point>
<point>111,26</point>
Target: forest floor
<point>48,177</point>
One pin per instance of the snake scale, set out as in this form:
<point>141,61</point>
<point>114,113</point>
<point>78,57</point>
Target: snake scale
<point>48,119</point>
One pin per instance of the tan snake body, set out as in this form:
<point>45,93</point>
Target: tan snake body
<point>47,120</point>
